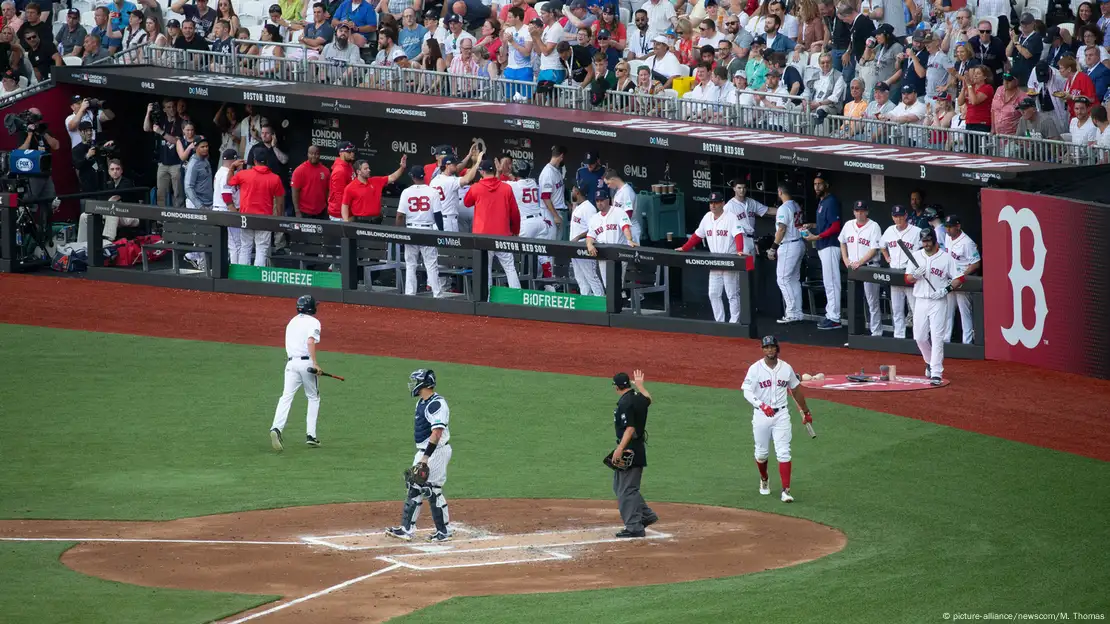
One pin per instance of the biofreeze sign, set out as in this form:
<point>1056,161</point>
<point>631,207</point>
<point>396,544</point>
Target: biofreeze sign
<point>545,299</point>
<point>284,277</point>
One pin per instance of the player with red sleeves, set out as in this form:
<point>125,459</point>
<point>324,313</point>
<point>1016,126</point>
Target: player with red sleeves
<point>722,233</point>
<point>310,187</point>
<point>260,193</point>
<point>825,236</point>
<point>342,173</point>
<point>766,386</point>
<point>495,213</point>
<point>362,199</point>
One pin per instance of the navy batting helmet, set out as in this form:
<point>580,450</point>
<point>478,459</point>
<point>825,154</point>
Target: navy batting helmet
<point>306,304</point>
<point>422,378</point>
<point>769,341</point>
<point>522,169</point>
<point>927,234</point>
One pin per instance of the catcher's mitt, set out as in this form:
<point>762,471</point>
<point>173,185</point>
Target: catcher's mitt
<point>417,474</point>
<point>625,462</point>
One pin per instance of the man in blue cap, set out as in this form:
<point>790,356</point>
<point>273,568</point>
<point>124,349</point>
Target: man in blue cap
<point>900,296</point>
<point>589,175</point>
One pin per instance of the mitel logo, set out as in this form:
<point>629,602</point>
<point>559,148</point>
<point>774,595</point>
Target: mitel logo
<point>1022,278</point>
<point>660,141</point>
<point>146,84</point>
<point>448,242</point>
<point>404,147</point>
<point>198,91</point>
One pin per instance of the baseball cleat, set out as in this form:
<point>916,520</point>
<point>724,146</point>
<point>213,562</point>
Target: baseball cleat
<point>936,381</point>
<point>439,536</point>
<point>399,532</point>
<point>648,523</point>
<point>311,441</point>
<point>786,497</point>
<point>629,534</point>
<point>828,324</point>
<point>928,371</point>
<point>764,487</point>
<point>275,439</point>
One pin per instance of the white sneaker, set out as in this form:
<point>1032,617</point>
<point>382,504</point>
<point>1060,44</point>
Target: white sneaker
<point>764,487</point>
<point>786,497</point>
<point>549,288</point>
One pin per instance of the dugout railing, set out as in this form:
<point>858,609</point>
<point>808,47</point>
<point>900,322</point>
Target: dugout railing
<point>361,263</point>
<point>859,336</point>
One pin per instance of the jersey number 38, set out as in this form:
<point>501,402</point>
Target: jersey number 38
<point>420,204</point>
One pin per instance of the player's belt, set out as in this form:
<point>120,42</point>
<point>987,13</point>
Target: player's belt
<point>423,227</point>
<point>303,357</point>
<point>796,240</point>
<point>422,450</point>
<point>530,216</point>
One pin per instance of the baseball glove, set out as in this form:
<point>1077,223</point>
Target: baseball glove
<point>625,462</point>
<point>417,474</point>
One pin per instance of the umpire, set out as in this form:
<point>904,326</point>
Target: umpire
<point>629,458</point>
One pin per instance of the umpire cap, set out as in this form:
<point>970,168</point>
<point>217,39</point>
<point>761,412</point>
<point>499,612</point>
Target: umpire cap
<point>769,341</point>
<point>621,381</point>
<point>306,304</point>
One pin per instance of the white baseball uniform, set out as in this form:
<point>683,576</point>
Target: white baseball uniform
<point>449,200</point>
<point>534,222</point>
<point>625,199</point>
<point>764,385</point>
<point>788,267</point>
<point>608,229</point>
<point>720,235</point>
<point>965,252</point>
<point>746,211</point>
<point>585,269</point>
<point>553,187</point>
<point>930,312</point>
<point>901,296</point>
<point>419,203</point>
<point>297,332</point>
<point>219,187</point>
<point>861,240</point>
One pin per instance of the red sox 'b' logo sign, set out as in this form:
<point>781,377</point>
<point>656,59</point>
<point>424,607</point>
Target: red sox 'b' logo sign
<point>1022,278</point>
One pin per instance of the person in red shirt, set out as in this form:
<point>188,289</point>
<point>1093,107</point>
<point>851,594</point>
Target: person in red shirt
<point>310,187</point>
<point>1078,85</point>
<point>342,172</point>
<point>362,199</point>
<point>495,213</point>
<point>260,193</point>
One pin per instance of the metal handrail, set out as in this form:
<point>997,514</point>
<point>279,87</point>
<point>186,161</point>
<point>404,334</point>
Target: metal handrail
<point>25,92</point>
<point>795,117</point>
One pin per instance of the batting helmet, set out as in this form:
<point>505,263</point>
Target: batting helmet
<point>522,169</point>
<point>928,234</point>
<point>306,304</point>
<point>422,378</point>
<point>769,341</point>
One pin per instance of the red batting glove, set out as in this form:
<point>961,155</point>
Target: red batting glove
<point>767,409</point>
<point>807,418</point>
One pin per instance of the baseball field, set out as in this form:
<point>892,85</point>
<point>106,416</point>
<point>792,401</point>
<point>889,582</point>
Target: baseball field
<point>137,482</point>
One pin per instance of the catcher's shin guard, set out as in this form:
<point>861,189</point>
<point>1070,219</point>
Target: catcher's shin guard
<point>411,511</point>
<point>437,502</point>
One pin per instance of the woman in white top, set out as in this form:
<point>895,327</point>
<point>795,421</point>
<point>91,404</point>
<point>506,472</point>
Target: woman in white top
<point>789,22</point>
<point>155,38</point>
<point>250,130</point>
<point>134,35</point>
<point>227,120</point>
<point>270,32</point>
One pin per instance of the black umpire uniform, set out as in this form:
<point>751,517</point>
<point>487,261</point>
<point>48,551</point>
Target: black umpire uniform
<point>631,411</point>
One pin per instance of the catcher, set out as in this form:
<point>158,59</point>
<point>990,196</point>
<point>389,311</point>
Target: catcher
<point>428,473</point>
<point>629,458</point>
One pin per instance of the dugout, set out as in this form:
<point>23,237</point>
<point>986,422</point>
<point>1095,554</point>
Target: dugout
<point>696,158</point>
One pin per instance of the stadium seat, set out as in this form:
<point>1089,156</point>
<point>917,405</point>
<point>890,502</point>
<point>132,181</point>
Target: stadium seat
<point>1068,26</point>
<point>626,16</point>
<point>71,60</point>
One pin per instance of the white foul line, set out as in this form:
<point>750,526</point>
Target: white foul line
<point>146,541</point>
<point>315,595</point>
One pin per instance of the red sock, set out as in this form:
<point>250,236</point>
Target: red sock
<point>762,469</point>
<point>784,474</point>
<point>546,267</point>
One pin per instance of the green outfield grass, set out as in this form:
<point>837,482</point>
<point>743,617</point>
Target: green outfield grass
<point>99,426</point>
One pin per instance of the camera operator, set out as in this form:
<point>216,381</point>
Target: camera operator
<point>116,182</point>
<point>90,160</point>
<point>86,109</point>
<point>167,126</point>
<point>34,135</point>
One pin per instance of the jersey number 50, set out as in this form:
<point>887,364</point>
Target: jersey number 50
<point>419,204</point>
<point>530,195</point>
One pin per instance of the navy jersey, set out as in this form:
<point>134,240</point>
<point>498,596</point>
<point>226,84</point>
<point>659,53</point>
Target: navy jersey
<point>431,413</point>
<point>828,216</point>
<point>587,179</point>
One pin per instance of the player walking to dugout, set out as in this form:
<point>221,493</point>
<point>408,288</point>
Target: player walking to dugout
<point>302,334</point>
<point>433,452</point>
<point>766,387</point>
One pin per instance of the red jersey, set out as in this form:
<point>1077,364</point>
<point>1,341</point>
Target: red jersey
<point>365,200</point>
<point>258,186</point>
<point>312,182</point>
<point>1080,85</point>
<point>430,171</point>
<point>495,209</point>
<point>341,175</point>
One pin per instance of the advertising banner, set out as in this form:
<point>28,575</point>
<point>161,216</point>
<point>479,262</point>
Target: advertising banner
<point>1046,281</point>
<point>284,277</point>
<point>545,299</point>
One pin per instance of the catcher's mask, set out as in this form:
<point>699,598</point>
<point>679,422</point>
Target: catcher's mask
<point>306,304</point>
<point>423,378</point>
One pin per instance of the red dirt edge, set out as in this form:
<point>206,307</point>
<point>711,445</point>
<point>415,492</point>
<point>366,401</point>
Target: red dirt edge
<point>1060,411</point>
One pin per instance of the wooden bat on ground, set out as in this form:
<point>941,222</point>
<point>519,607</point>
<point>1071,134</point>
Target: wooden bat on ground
<point>315,371</point>
<point>909,254</point>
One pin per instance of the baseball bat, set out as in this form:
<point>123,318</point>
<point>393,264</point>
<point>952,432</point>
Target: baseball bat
<point>809,428</point>
<point>909,254</point>
<point>315,371</point>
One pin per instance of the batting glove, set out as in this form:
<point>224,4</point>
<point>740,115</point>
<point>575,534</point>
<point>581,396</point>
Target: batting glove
<point>767,409</point>
<point>807,418</point>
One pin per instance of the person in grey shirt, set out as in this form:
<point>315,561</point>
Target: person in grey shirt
<point>880,60</point>
<point>71,36</point>
<point>1035,125</point>
<point>92,51</point>
<point>341,55</point>
<point>881,105</point>
<point>198,177</point>
<point>892,12</point>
